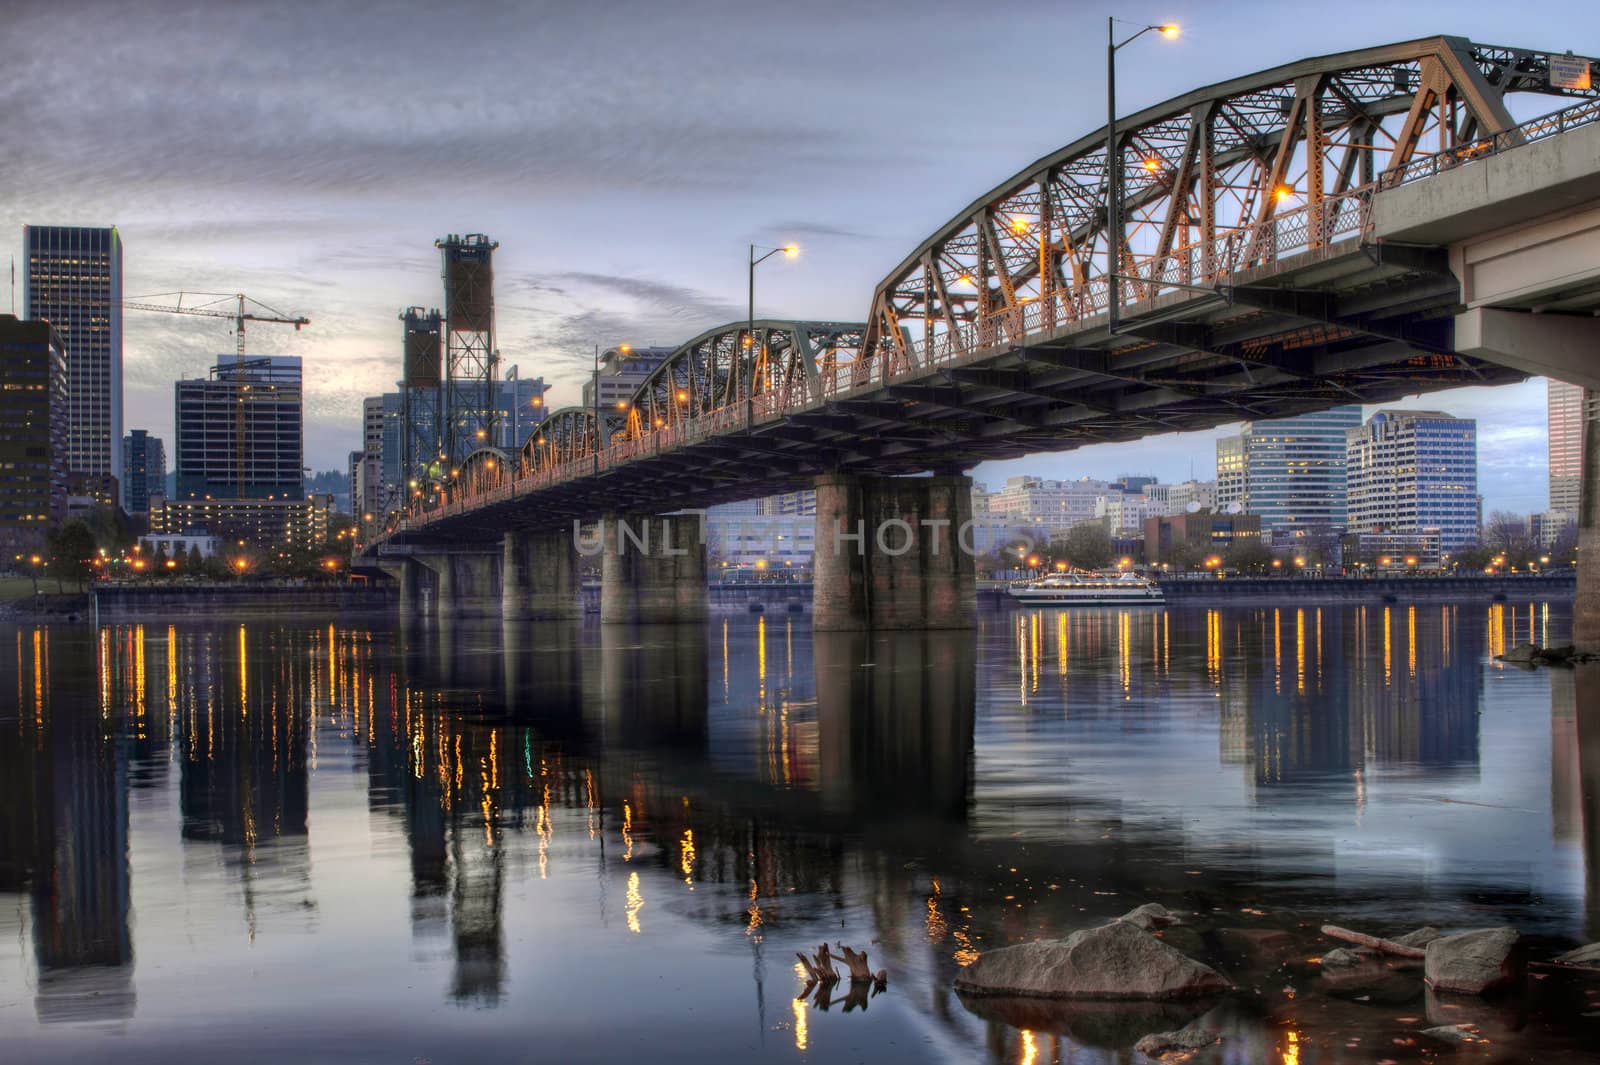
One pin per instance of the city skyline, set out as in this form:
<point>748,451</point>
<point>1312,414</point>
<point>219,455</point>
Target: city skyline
<point>620,220</point>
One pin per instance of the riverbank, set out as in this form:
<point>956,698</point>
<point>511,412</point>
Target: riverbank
<point>1480,588</point>
<point>132,602</point>
<point>138,602</point>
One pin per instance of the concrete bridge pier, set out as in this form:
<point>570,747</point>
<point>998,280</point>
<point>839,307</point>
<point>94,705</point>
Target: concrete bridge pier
<point>893,553</point>
<point>468,584</point>
<point>652,570</point>
<point>408,574</point>
<point>1586,605</point>
<point>539,577</point>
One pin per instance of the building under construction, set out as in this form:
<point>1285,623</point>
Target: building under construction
<point>241,431</point>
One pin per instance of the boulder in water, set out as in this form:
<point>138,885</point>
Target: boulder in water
<point>1114,961</point>
<point>1474,962</point>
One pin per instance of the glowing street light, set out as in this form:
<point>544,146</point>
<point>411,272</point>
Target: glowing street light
<point>789,251</point>
<point>1114,158</point>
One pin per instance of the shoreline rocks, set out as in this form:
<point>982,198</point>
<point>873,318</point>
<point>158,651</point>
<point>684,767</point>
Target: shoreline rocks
<point>1113,962</point>
<point>1195,1036</point>
<point>1589,956</point>
<point>1476,962</point>
<point>1529,654</point>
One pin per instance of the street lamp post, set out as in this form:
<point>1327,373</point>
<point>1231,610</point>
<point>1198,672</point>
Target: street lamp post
<point>513,378</point>
<point>789,250</point>
<point>1114,164</point>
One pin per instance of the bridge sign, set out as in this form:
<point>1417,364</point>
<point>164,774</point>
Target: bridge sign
<point>1569,72</point>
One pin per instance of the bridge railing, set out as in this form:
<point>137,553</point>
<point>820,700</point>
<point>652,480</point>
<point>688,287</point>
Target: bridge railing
<point>1193,266</point>
<point>1551,125</point>
<point>1197,265</point>
<point>1292,232</point>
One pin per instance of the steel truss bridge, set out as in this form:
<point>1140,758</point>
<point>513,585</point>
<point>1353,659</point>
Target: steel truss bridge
<point>1252,287</point>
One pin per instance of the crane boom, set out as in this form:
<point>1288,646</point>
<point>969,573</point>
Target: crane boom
<point>237,312</point>
<point>210,309</point>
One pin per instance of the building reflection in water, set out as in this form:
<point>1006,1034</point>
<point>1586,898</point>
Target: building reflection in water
<point>749,775</point>
<point>64,771</point>
<point>244,744</point>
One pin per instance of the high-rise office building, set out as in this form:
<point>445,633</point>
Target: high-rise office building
<point>144,470</point>
<point>33,431</point>
<point>368,492</point>
<point>241,432</point>
<point>1566,444</point>
<point>1289,471</point>
<point>73,280</point>
<point>622,371</point>
<point>1414,471</point>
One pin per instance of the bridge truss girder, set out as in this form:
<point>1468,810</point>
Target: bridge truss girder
<point>1215,161</point>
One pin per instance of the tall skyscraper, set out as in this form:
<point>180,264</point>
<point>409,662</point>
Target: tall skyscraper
<point>33,431</point>
<point>1566,444</point>
<point>241,431</point>
<point>1293,471</point>
<point>1413,471</point>
<point>144,470</point>
<point>73,280</point>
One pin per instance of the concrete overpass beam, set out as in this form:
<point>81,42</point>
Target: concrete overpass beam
<point>539,576</point>
<point>893,553</point>
<point>652,570</point>
<point>468,584</point>
<point>1566,347</point>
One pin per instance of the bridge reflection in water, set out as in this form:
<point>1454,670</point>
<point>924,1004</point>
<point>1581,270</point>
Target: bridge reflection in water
<point>632,804</point>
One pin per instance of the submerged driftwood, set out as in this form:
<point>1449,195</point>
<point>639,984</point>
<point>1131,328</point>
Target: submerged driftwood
<point>1383,946</point>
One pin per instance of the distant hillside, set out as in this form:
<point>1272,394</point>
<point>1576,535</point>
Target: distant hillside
<point>330,481</point>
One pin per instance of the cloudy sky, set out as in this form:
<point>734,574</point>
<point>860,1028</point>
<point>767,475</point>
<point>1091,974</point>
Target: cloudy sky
<point>623,153</point>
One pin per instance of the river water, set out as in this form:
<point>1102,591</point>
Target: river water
<point>308,840</point>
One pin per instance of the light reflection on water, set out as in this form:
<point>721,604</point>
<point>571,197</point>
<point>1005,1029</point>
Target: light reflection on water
<point>458,841</point>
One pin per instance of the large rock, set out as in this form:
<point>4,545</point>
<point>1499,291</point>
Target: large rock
<point>1195,1036</point>
<point>1452,1035</point>
<point>1420,938</point>
<point>1115,961</point>
<point>1522,652</point>
<point>1589,955</point>
<point>1345,958</point>
<point>1474,962</point>
<point>1150,915</point>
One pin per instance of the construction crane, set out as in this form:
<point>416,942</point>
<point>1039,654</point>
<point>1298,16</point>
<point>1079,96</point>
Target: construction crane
<point>211,309</point>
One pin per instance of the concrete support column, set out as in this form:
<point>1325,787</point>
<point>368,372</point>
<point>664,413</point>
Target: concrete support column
<point>1586,606</point>
<point>893,553</point>
<point>539,576</point>
<point>652,570</point>
<point>469,584</point>
<point>408,575</point>
<point>1586,687</point>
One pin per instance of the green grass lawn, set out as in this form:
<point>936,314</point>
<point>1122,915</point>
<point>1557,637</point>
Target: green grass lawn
<point>14,588</point>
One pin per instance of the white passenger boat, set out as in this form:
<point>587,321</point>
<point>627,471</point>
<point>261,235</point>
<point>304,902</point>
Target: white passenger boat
<point>1081,588</point>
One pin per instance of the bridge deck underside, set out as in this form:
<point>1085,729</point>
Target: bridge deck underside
<point>1352,324</point>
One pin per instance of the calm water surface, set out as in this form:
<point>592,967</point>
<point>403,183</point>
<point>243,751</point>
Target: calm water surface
<point>292,839</point>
